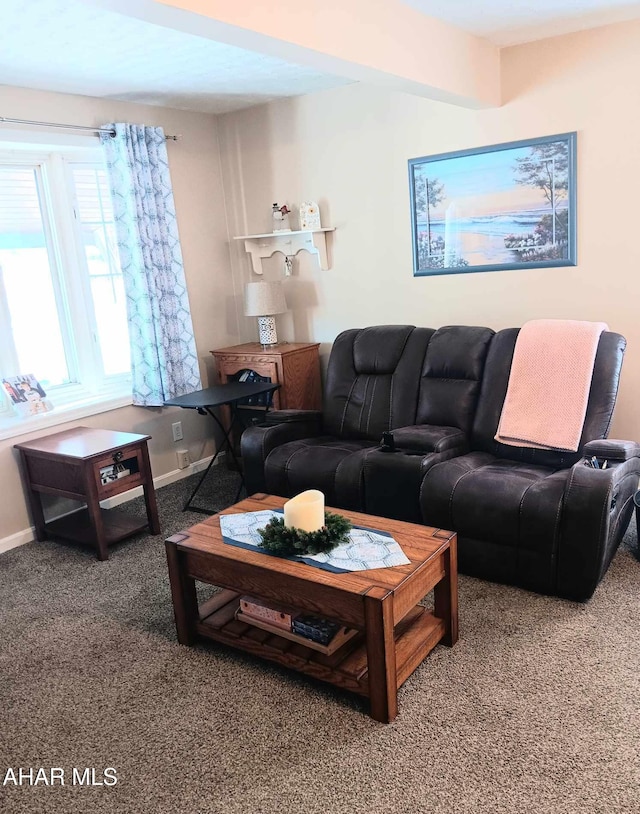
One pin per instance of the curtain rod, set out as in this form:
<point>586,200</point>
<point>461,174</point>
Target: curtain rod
<point>5,120</point>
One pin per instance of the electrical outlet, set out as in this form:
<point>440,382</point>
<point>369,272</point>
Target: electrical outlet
<point>183,458</point>
<point>176,428</point>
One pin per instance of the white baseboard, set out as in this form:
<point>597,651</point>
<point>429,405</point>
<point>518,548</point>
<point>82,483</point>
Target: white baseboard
<point>28,535</point>
<point>19,538</point>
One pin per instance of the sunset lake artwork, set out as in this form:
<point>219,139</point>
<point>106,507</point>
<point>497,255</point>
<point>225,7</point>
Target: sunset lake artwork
<point>507,206</point>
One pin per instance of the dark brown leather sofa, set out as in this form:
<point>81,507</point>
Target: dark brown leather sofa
<point>534,518</point>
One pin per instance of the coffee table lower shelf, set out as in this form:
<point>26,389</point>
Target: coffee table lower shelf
<point>415,636</point>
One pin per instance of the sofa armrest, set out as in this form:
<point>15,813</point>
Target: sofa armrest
<point>393,480</point>
<point>612,449</point>
<point>598,504</point>
<point>257,442</point>
<point>291,416</point>
<point>421,439</point>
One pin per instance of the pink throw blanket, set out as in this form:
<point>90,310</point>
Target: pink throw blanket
<point>549,383</point>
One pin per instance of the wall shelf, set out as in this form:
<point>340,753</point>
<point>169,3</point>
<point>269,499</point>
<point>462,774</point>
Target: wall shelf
<point>289,243</point>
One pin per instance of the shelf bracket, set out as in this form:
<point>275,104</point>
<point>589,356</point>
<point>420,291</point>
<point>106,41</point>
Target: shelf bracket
<point>289,244</point>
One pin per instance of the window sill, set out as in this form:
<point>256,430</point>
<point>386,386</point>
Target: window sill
<point>12,426</point>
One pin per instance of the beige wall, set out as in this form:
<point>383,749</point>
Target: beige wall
<point>348,148</point>
<point>195,171</point>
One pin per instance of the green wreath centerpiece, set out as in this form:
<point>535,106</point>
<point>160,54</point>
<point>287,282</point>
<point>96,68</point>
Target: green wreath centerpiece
<point>286,541</point>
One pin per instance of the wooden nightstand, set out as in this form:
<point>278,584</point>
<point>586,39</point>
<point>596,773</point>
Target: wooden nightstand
<point>79,464</point>
<point>295,366</point>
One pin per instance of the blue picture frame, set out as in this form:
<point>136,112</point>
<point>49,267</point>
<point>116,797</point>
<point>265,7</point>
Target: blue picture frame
<point>506,206</point>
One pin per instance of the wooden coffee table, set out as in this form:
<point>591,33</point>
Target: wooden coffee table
<point>395,633</point>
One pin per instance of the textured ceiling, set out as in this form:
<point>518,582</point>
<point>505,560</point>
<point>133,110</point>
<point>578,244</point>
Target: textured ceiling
<point>67,46</point>
<point>77,47</point>
<point>508,22</point>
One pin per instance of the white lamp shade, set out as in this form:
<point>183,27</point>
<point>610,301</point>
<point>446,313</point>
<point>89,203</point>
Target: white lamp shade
<point>264,299</point>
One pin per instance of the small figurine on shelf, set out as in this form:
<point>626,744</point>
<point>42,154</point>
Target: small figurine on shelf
<point>280,215</point>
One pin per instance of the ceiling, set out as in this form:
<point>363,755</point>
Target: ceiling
<point>73,47</point>
<point>77,47</point>
<point>509,22</point>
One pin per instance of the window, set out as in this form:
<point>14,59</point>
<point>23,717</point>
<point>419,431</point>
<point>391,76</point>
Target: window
<point>62,301</point>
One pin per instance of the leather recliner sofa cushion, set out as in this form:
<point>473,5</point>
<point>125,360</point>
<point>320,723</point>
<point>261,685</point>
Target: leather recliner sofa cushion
<point>372,383</point>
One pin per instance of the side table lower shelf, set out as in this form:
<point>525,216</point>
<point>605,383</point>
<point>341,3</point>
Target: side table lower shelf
<point>415,636</point>
<point>78,526</point>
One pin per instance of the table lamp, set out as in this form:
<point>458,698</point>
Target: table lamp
<point>263,300</point>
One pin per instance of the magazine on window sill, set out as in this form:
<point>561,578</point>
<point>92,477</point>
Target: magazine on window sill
<point>27,395</point>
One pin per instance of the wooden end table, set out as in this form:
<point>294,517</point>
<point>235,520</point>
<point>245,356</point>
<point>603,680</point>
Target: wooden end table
<point>68,464</point>
<point>395,633</point>
<point>295,366</point>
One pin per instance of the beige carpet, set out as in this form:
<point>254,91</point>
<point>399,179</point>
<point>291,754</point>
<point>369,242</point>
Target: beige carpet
<point>535,710</point>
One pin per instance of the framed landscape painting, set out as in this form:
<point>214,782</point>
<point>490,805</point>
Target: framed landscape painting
<point>508,206</point>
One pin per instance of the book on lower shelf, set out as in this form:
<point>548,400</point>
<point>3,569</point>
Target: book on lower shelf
<point>313,631</point>
<point>315,628</point>
<point>256,609</point>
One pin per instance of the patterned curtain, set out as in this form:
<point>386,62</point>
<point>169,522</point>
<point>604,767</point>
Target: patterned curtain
<point>164,361</point>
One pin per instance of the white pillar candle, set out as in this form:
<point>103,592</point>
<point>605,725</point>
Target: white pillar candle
<point>305,511</point>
